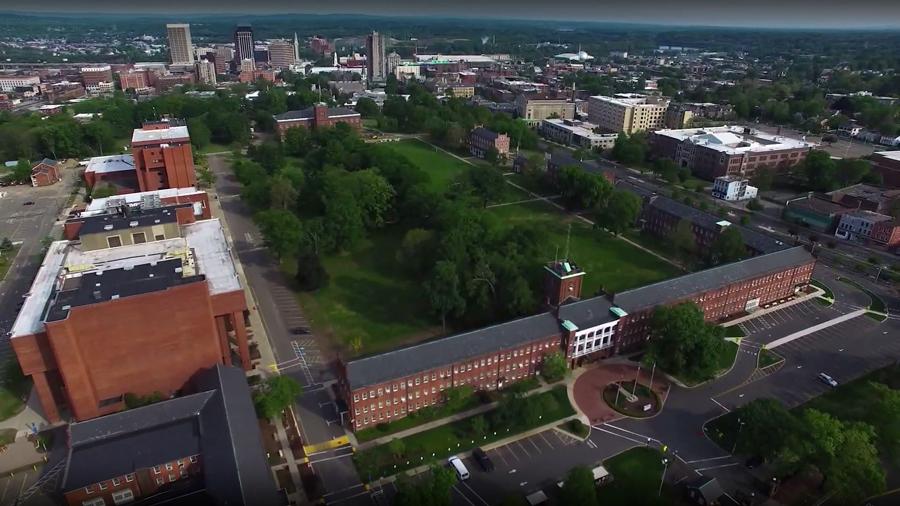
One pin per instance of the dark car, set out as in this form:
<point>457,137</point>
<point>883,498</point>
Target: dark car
<point>483,460</point>
<point>28,203</point>
<point>299,331</point>
<point>754,462</point>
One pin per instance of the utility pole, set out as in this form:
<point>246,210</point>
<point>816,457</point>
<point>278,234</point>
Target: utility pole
<point>636,378</point>
<point>652,371</point>
<point>662,480</point>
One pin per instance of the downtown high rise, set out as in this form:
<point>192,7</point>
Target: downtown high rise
<point>376,65</point>
<point>243,45</point>
<point>181,49</point>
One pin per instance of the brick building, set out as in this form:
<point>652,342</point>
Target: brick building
<point>113,170</point>
<point>45,173</point>
<point>887,164</point>
<point>138,305</point>
<point>134,79</point>
<point>202,448</point>
<point>481,140</point>
<point>391,385</point>
<point>162,156</point>
<point>93,77</point>
<point>317,116</point>
<point>728,150</point>
<point>866,197</point>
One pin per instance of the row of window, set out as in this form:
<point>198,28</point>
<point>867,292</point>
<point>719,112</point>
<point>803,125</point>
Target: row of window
<point>119,497</point>
<point>114,241</point>
<point>103,485</point>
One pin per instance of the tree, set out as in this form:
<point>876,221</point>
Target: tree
<point>200,133</point>
<point>630,150</point>
<point>763,179</point>
<point>683,241</point>
<point>554,367</point>
<point>455,397</point>
<point>666,169</point>
<point>491,155</point>
<point>22,172</point>
<point>311,274</point>
<point>479,426</point>
<point>367,108</point>
<point>682,342</point>
<point>820,171</point>
<point>206,177</point>
<point>620,212</point>
<point>486,182</point>
<point>856,472</point>
<point>104,191</point>
<point>581,189</point>
<point>281,229</point>
<point>579,488</point>
<point>766,429</point>
<point>275,395</point>
<point>728,247</point>
<point>432,489</point>
<point>417,250</point>
<point>283,196</point>
<point>397,448</point>
<point>443,289</point>
<point>852,171</point>
<point>883,413</point>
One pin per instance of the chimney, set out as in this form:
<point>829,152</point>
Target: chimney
<point>320,114</point>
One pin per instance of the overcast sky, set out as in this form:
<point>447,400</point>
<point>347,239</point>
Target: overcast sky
<point>762,13</point>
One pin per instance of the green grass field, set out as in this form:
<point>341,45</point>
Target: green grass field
<point>441,167</point>
<point>369,297</point>
<point>6,261</point>
<point>724,361</point>
<point>610,263</point>
<point>636,478</point>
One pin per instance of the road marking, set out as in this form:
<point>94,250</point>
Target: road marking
<point>631,432</point>
<point>619,435</point>
<point>591,443</point>
<point>710,458</point>
<point>499,454</point>
<point>717,467</point>
<point>523,448</point>
<point>476,493</point>
<point>720,405</point>
<point>545,440</point>
<point>463,496</point>
<point>531,440</point>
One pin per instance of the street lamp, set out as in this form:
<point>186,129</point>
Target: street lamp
<point>740,426</point>
<point>665,463</point>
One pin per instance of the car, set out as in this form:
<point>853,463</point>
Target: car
<point>28,203</point>
<point>461,472</point>
<point>299,331</point>
<point>754,462</point>
<point>828,380</point>
<point>483,460</point>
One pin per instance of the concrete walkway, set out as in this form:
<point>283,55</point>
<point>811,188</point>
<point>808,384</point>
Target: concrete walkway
<point>484,408</point>
<point>563,209</point>
<point>815,328</point>
<point>31,416</point>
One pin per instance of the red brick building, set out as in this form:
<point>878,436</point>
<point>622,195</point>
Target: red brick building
<point>134,79</point>
<point>391,385</point>
<point>886,233</point>
<point>723,151</point>
<point>887,164</point>
<point>317,116</point>
<point>93,76</point>
<point>137,306</point>
<point>162,156</point>
<point>202,448</point>
<point>481,140</point>
<point>45,173</point>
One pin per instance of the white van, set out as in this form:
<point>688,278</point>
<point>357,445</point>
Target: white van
<point>461,472</point>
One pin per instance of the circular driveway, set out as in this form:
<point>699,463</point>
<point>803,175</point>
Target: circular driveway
<point>588,388</point>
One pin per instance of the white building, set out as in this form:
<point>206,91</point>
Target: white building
<point>10,83</point>
<point>575,133</point>
<point>733,188</point>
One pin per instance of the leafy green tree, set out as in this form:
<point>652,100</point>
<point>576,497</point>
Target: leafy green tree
<point>268,154</point>
<point>200,134</point>
<point>103,191</point>
<point>443,289</point>
<point>431,490</point>
<point>311,274</point>
<point>417,250</point>
<point>582,190</point>
<point>883,413</point>
<point>367,108</point>
<point>554,367</point>
<point>283,195</point>
<point>682,342</point>
<point>282,231</point>
<point>620,212</point>
<point>852,171</point>
<point>22,172</point>
<point>728,247</point>
<point>479,426</point>
<point>296,141</point>
<point>491,155</point>
<point>630,150</point>
<point>579,488</point>
<point>275,395</point>
<point>99,135</point>
<point>486,182</point>
<point>683,240</point>
<point>856,471</point>
<point>397,448</point>
<point>766,428</point>
<point>763,179</point>
<point>666,169</point>
<point>820,171</point>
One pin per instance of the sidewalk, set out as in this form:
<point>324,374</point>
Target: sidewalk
<point>484,408</point>
<point>261,337</point>
<point>32,415</point>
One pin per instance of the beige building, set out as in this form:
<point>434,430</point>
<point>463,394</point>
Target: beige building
<point>534,110</point>
<point>628,112</point>
<point>461,91</point>
<point>281,54</point>
<point>206,72</point>
<point>180,47</point>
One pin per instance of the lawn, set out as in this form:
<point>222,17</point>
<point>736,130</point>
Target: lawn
<point>6,261</point>
<point>611,264</point>
<point>454,438</point>
<point>369,297</point>
<point>767,358</point>
<point>14,388</point>
<point>818,284</point>
<point>418,418</point>
<point>734,331</point>
<point>636,478</point>
<point>440,167</point>
<point>876,305</point>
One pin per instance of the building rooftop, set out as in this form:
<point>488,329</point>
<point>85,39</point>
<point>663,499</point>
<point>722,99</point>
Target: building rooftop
<point>394,364</point>
<point>101,205</point>
<point>589,312</point>
<point>485,133</point>
<point>892,155</point>
<point>173,133</point>
<point>309,113</point>
<point>202,250</point>
<point>881,196</point>
<point>683,287</point>
<point>735,139</point>
<point>580,128</point>
<point>130,219</point>
<point>868,215</point>
<point>817,205</point>
<point>112,163</point>
<point>632,99</point>
<point>217,422</point>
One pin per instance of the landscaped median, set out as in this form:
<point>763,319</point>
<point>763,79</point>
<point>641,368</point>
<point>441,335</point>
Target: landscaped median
<point>514,414</point>
<point>827,298</point>
<point>877,310</point>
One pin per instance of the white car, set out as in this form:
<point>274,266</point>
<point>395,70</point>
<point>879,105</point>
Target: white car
<point>828,380</point>
<point>457,465</point>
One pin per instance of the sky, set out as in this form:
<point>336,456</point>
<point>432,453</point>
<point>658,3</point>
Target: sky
<point>756,13</point>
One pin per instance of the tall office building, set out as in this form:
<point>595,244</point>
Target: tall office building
<point>281,54</point>
<point>224,58</point>
<point>376,67</point>
<point>243,45</point>
<point>180,47</point>
<point>296,49</point>
<point>206,71</point>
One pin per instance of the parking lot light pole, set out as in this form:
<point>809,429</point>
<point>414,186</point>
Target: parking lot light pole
<point>740,426</point>
<point>662,480</point>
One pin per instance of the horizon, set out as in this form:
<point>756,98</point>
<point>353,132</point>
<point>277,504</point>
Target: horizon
<point>823,15</point>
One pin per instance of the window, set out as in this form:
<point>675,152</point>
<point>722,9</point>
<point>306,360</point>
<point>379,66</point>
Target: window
<point>138,238</point>
<point>123,496</point>
<point>102,485</point>
<point>97,501</point>
<point>193,459</point>
<point>160,481</point>
<point>114,241</point>
<point>129,478</point>
<point>156,469</point>
<point>172,478</point>
<point>116,482</point>
<point>89,489</point>
<point>159,237</point>
<point>169,466</point>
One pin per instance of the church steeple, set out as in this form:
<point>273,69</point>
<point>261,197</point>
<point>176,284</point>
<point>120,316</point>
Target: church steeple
<point>296,49</point>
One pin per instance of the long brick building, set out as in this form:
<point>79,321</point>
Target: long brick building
<point>140,303</point>
<point>391,385</point>
<point>317,116</point>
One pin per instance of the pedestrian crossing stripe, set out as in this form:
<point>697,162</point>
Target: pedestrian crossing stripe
<point>327,445</point>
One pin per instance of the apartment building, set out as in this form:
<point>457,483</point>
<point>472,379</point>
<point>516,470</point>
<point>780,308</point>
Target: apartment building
<point>138,304</point>
<point>9,83</point>
<point>627,112</point>
<point>535,109</point>
<point>481,140</point>
<point>317,116</point>
<point>162,156</point>
<point>728,150</point>
<point>394,384</point>
<point>576,133</point>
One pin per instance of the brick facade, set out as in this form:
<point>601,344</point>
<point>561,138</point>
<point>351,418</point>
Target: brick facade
<point>132,487</point>
<point>318,116</point>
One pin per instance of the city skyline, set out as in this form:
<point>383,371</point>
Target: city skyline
<point>828,14</point>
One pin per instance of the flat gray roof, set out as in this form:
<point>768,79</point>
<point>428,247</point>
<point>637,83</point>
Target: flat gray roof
<point>682,287</point>
<point>448,350</point>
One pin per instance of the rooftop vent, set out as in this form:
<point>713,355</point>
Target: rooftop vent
<point>156,221</point>
<point>178,270</point>
<point>107,227</point>
<point>97,294</point>
<point>133,224</point>
<point>114,296</point>
<point>66,307</point>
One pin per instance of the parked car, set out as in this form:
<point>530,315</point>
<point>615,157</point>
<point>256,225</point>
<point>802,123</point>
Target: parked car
<point>483,460</point>
<point>457,465</point>
<point>299,331</point>
<point>828,380</point>
<point>28,203</point>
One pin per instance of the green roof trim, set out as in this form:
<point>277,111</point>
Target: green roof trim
<point>618,311</point>
<point>569,326</point>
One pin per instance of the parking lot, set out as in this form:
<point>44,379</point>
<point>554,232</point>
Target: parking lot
<point>12,486</point>
<point>768,327</point>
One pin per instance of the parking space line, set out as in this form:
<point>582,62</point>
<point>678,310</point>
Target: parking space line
<point>500,454</point>
<point>531,440</point>
<point>523,448</point>
<point>475,493</point>
<point>463,495</point>
<point>545,440</point>
<point>510,450</point>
